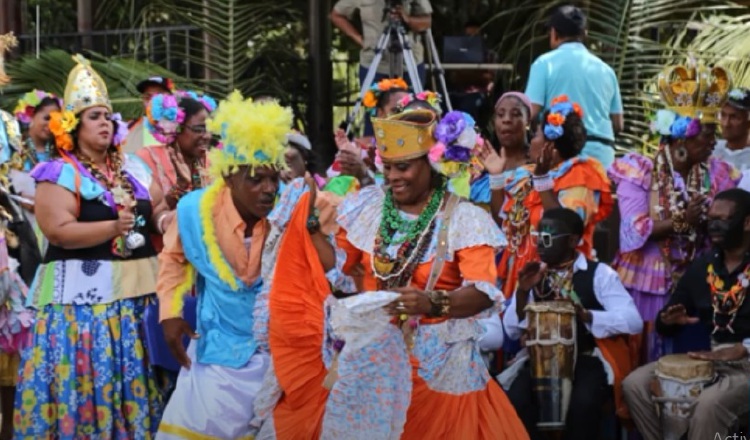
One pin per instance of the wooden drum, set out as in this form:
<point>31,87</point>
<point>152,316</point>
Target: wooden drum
<point>552,350</point>
<point>679,381</point>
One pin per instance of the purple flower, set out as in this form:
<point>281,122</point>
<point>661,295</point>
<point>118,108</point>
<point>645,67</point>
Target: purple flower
<point>693,128</point>
<point>450,127</point>
<point>457,154</point>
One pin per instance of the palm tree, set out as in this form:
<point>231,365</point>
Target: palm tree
<point>50,72</point>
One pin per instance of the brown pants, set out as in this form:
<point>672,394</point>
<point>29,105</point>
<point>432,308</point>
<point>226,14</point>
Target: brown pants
<point>716,412</point>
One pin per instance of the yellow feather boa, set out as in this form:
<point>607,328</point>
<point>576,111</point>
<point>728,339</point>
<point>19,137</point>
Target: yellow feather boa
<point>207,204</point>
<point>178,300</point>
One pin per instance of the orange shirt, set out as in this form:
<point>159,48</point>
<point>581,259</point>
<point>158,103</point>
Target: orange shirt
<point>230,235</point>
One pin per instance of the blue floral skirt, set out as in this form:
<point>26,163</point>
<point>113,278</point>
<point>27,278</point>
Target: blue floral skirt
<point>86,375</point>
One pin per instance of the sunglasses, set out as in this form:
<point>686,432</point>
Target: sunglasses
<point>545,238</point>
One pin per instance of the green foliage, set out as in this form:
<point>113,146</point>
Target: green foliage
<point>50,73</point>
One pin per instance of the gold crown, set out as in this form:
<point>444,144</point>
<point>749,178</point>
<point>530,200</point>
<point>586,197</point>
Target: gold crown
<point>405,136</point>
<point>85,88</point>
<point>695,91</point>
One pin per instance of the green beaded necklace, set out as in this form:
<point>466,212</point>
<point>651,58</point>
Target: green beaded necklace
<point>393,223</point>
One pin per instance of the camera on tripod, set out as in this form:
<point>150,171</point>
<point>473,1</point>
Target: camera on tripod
<point>391,6</point>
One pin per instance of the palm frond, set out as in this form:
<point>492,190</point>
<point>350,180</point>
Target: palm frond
<point>50,72</point>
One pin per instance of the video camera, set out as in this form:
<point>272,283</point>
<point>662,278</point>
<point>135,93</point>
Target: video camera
<point>390,7</point>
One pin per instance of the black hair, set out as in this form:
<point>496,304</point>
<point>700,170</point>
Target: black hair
<point>191,107</point>
<point>308,156</point>
<point>573,139</point>
<point>386,96</point>
<point>568,218</point>
<point>47,101</point>
<point>568,21</point>
<point>739,197</point>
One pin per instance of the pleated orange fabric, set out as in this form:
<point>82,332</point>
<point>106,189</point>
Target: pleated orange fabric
<point>296,331</point>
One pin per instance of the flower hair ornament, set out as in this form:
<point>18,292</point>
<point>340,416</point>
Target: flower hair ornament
<point>668,124</point>
<point>164,117</point>
<point>432,98</point>
<point>559,110</point>
<point>372,96</point>
<point>61,125</point>
<point>208,102</point>
<point>453,152</point>
<point>24,110</point>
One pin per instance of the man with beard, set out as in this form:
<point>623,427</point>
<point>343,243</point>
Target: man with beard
<point>216,244</point>
<point>711,292</point>
<point>606,315</point>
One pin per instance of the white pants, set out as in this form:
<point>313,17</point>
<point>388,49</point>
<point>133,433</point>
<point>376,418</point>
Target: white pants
<point>213,401</point>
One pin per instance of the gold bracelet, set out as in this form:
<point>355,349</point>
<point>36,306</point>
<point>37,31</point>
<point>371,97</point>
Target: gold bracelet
<point>441,304</point>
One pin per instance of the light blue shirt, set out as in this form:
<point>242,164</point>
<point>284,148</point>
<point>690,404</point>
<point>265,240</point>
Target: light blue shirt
<point>574,71</point>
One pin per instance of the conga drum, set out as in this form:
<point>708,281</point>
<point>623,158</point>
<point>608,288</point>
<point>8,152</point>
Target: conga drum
<point>679,381</point>
<point>551,343</point>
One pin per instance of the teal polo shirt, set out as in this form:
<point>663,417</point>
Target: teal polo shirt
<point>574,71</point>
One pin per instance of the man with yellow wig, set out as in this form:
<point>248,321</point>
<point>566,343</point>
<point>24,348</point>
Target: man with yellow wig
<point>216,243</point>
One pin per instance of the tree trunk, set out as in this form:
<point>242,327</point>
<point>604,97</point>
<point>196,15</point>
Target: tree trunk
<point>320,110</point>
<point>85,19</point>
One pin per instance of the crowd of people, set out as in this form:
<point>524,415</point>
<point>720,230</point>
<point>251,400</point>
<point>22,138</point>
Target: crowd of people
<point>431,284</point>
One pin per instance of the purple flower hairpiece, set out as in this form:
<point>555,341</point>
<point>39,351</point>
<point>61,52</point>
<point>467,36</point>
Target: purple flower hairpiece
<point>450,127</point>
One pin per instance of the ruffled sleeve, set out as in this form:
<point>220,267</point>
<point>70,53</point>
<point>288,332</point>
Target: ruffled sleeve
<point>359,217</point>
<point>724,176</point>
<point>64,174</point>
<point>480,189</point>
<point>632,173</point>
<point>472,226</point>
<point>581,172</point>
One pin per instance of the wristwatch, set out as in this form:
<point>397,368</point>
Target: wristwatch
<point>313,222</point>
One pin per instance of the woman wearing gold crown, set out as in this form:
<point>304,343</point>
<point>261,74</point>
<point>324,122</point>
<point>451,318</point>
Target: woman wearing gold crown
<point>663,200</point>
<point>428,256</point>
<point>86,374</point>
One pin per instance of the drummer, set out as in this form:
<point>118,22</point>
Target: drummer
<point>721,274</point>
<point>605,311</point>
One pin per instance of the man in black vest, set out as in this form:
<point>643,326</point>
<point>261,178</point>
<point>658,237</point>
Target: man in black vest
<point>711,292</point>
<point>604,310</point>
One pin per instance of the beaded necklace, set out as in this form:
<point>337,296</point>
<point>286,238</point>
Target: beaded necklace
<point>727,302</point>
<point>672,204</point>
<point>516,225</point>
<point>393,222</point>
<point>396,272</point>
<point>31,152</point>
<point>558,283</point>
<point>121,189</point>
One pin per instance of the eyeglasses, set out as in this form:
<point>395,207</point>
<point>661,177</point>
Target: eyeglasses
<point>546,238</point>
<point>200,129</point>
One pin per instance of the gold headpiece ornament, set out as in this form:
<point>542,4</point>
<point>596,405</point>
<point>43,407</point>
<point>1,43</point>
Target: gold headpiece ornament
<point>85,88</point>
<point>405,136</point>
<point>694,91</point>
<point>7,42</point>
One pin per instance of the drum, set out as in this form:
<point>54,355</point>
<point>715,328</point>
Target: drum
<point>678,382</point>
<point>551,345</point>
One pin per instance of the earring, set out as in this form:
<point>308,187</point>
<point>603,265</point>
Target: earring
<point>681,154</point>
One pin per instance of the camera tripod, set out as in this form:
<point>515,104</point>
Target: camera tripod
<point>396,40</point>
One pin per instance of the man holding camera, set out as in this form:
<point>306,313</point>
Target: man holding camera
<point>415,15</point>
